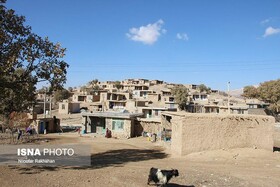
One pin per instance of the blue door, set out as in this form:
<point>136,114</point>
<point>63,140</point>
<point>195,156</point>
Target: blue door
<point>42,127</point>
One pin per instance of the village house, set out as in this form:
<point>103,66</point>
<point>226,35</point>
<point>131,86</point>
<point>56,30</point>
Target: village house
<point>196,96</point>
<point>208,108</point>
<point>234,109</point>
<point>120,123</point>
<point>168,100</point>
<point>153,112</point>
<point>137,81</point>
<point>84,97</point>
<point>155,82</point>
<point>66,107</point>
<point>39,104</point>
<point>191,86</point>
<point>115,100</point>
<point>135,84</point>
<point>47,125</point>
<point>141,94</point>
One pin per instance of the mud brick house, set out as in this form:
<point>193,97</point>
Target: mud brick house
<point>120,123</point>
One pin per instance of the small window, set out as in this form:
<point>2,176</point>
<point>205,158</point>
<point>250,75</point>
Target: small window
<point>156,112</point>
<point>117,125</point>
<point>63,106</point>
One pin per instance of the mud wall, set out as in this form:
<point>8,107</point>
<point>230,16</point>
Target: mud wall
<point>200,132</point>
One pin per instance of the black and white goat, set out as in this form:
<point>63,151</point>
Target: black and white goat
<point>161,177</point>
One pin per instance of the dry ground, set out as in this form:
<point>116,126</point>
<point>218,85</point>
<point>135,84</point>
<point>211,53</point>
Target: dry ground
<point>122,163</point>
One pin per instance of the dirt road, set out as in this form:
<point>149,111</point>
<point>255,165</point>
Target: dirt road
<point>127,162</point>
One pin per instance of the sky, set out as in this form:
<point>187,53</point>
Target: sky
<point>180,41</point>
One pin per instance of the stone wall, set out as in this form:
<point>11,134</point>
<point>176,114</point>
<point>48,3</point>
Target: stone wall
<point>147,126</point>
<point>200,132</point>
<point>126,133</point>
<point>256,111</point>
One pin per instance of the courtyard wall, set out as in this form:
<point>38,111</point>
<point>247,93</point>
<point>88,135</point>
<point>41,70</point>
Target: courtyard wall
<point>200,132</point>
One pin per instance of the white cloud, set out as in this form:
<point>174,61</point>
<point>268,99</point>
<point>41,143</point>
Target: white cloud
<point>182,36</point>
<point>265,21</point>
<point>148,34</point>
<point>271,31</point>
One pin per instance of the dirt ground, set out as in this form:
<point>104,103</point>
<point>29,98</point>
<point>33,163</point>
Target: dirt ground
<point>126,162</point>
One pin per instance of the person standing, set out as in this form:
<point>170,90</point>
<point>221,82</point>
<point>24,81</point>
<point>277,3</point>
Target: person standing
<point>19,133</point>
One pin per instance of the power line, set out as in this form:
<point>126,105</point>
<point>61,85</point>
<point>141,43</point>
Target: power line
<point>165,64</point>
<point>177,70</point>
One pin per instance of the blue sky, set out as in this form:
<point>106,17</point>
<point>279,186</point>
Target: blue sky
<point>180,41</point>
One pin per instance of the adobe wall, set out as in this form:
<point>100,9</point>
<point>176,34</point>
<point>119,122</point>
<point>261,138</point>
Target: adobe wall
<point>200,132</point>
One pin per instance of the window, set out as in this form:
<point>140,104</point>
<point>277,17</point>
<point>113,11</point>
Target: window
<point>117,125</point>
<point>63,106</point>
<point>156,112</point>
<point>240,111</point>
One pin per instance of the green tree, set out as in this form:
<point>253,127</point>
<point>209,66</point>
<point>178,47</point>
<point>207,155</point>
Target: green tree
<point>268,92</point>
<point>62,94</point>
<point>180,94</point>
<point>25,60</point>
<point>250,92</point>
<point>118,85</point>
<point>93,82</point>
<point>95,90</point>
<point>204,88</point>
<point>17,99</point>
<point>94,87</point>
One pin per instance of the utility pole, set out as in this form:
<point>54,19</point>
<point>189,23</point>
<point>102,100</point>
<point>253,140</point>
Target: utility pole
<point>102,103</point>
<point>45,102</point>
<point>228,98</point>
<point>50,105</point>
<point>136,104</point>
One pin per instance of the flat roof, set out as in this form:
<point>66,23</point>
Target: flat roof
<point>95,104</point>
<point>113,115</point>
<point>235,107</point>
<point>251,103</point>
<point>154,108</point>
<point>157,120</point>
<point>187,114</point>
<point>214,106</point>
<point>118,101</point>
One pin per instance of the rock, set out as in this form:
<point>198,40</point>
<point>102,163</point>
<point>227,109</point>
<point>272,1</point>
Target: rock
<point>235,156</point>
